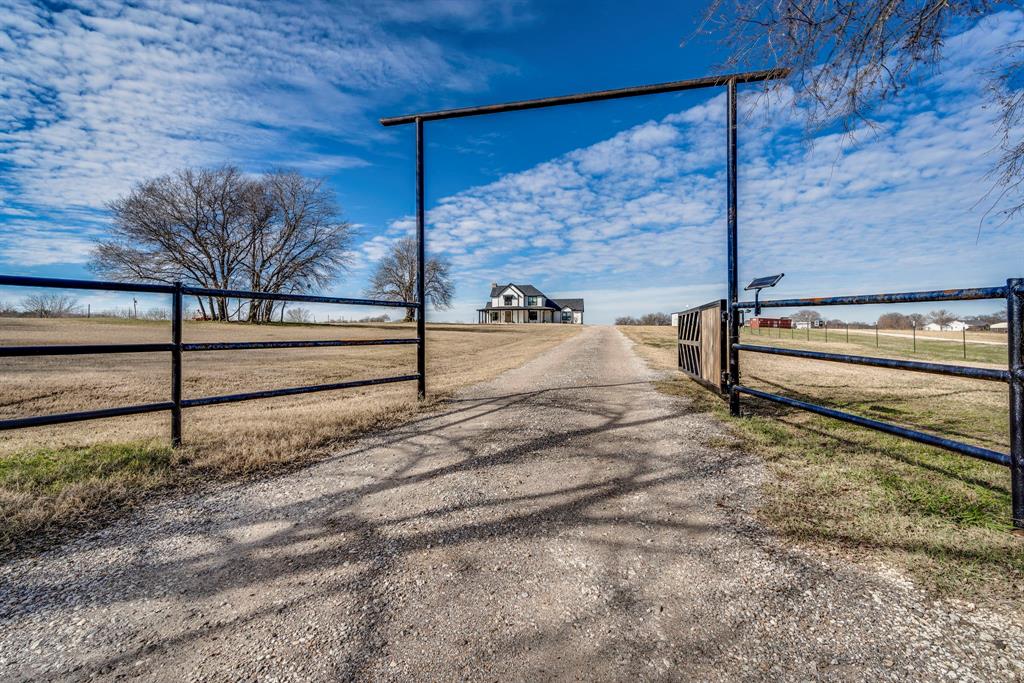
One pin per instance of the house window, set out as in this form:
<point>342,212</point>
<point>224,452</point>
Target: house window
<point>508,299</point>
<point>533,316</point>
<point>494,316</point>
<point>532,301</point>
<point>567,316</point>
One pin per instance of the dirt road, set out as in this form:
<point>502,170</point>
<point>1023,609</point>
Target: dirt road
<point>565,521</point>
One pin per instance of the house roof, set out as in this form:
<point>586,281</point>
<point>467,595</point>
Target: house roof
<point>574,304</point>
<point>528,290</point>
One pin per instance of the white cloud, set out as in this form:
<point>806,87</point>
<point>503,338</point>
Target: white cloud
<point>96,94</point>
<point>897,209</point>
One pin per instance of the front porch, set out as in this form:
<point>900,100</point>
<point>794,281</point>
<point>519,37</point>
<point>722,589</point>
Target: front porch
<point>517,315</point>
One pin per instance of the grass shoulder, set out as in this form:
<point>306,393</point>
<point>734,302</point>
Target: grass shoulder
<point>940,517</point>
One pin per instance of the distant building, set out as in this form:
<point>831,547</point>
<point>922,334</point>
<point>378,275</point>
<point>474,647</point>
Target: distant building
<point>999,327</point>
<point>784,323</point>
<point>808,324</point>
<point>955,326</point>
<point>514,303</point>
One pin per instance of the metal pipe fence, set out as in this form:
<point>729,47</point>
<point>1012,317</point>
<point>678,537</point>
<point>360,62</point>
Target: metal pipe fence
<point>1012,293</point>
<point>177,348</point>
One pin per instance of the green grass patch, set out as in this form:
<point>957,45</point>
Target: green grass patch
<point>52,471</point>
<point>74,487</point>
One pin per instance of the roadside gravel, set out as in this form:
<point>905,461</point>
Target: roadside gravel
<point>565,521</point>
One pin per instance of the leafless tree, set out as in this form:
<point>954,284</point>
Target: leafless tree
<point>221,229</point>
<point>395,278</point>
<point>941,317</point>
<point>298,315</point>
<point>848,56</point>
<point>894,321</point>
<point>917,319</point>
<point>806,316</point>
<point>297,242</point>
<point>52,305</point>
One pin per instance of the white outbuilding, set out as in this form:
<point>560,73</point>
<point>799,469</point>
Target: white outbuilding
<point>955,326</point>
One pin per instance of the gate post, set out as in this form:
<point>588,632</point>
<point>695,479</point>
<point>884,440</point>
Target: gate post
<point>177,314</point>
<point>1015,344</point>
<point>421,312</point>
<point>733,261</point>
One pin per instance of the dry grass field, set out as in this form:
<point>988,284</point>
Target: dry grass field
<point>939,516</point>
<point>73,474</point>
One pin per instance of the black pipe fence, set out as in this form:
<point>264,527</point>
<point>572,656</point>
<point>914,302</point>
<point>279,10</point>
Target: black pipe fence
<point>1013,293</point>
<point>177,347</point>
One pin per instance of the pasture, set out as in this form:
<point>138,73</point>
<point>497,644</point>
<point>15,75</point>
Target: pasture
<point>66,473</point>
<point>940,516</point>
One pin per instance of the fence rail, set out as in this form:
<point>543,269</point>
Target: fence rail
<point>1013,293</point>
<point>176,347</point>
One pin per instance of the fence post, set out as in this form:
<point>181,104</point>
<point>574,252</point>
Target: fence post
<point>847,333</point>
<point>421,313</point>
<point>1015,344</point>
<point>915,337</point>
<point>876,335</point>
<point>176,322</point>
<point>965,342</point>
<point>826,330</point>
<point>733,244</point>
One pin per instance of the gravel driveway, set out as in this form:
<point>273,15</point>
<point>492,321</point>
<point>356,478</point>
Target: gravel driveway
<point>564,521</point>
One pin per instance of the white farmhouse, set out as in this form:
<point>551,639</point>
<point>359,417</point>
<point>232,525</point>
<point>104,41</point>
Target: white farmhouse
<point>955,326</point>
<point>514,303</point>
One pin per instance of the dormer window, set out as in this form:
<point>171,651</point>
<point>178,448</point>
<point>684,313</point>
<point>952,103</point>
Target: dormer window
<point>532,301</point>
<point>509,299</point>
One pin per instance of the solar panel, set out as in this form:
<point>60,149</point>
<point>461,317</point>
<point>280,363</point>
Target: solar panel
<point>762,282</point>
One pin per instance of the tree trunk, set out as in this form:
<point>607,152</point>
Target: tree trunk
<point>410,315</point>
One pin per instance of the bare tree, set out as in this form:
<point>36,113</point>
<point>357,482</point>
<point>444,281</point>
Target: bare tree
<point>848,56</point>
<point>297,241</point>
<point>806,316</point>
<point>221,229</point>
<point>52,305</point>
<point>941,317</point>
<point>395,278</point>
<point>298,315</point>
<point>894,321</point>
<point>917,319</point>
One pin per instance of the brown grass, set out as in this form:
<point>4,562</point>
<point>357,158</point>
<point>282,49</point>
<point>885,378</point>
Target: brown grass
<point>941,517</point>
<point>220,441</point>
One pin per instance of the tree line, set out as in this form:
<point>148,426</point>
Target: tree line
<point>901,321</point>
<point>646,319</point>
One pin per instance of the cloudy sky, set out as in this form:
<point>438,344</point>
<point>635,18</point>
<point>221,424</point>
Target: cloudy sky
<point>618,202</point>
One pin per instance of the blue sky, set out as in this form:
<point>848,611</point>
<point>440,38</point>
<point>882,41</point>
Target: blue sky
<point>618,202</point>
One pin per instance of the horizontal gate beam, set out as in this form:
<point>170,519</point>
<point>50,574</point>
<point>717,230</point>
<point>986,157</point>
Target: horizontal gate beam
<point>595,96</point>
<point>892,363</point>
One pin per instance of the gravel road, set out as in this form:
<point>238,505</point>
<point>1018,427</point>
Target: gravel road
<point>565,521</point>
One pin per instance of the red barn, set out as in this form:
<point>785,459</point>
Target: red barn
<point>784,323</point>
